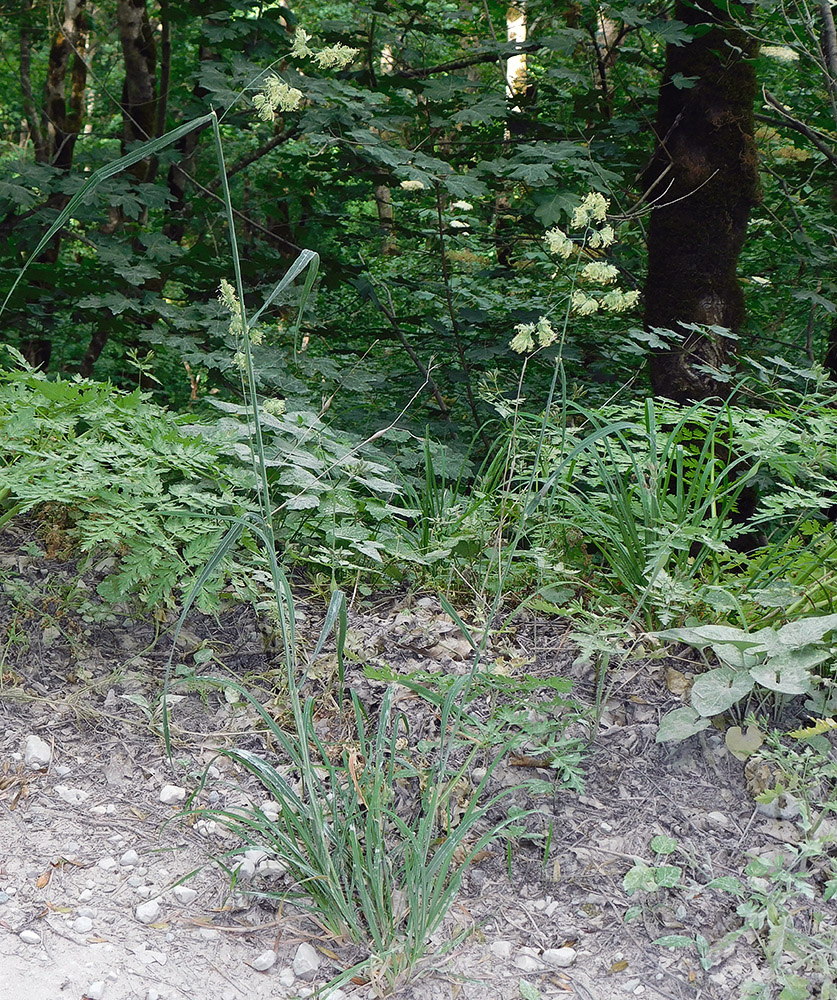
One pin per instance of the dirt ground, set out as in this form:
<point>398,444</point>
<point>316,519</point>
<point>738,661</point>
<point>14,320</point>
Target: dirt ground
<point>86,839</point>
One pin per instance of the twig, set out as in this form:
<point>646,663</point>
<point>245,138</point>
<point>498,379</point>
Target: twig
<point>411,354</point>
<point>790,121</point>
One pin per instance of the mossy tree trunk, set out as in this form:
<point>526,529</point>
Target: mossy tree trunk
<point>702,183</point>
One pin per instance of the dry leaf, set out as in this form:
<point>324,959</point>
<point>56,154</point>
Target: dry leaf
<point>677,682</point>
<point>619,966</point>
<point>742,744</point>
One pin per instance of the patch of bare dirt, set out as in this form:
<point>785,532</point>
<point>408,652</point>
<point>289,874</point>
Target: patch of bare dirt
<point>86,840</point>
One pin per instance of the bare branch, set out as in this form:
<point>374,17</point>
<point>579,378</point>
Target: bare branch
<point>789,121</point>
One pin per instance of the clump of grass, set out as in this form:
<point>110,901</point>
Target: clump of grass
<point>369,873</point>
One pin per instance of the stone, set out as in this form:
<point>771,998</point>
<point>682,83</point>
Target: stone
<point>265,961</point>
<point>82,925</point>
<point>36,753</point>
<point>95,991</point>
<point>130,859</point>
<point>527,963</point>
<point>169,794</point>
<point>72,796</point>
<point>306,961</point>
<point>183,894</point>
<point>245,870</point>
<point>30,937</point>
<point>501,949</point>
<point>286,977</point>
<point>148,911</point>
<point>559,958</point>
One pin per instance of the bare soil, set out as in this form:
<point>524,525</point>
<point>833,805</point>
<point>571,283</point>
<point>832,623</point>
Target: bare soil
<point>87,680</point>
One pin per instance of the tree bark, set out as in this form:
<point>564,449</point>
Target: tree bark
<point>139,92</point>
<point>702,183</point>
<point>30,111</point>
<point>64,112</point>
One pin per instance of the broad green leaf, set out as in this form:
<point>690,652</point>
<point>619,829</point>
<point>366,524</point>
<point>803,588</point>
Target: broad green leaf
<point>663,845</point>
<point>727,883</point>
<point>680,725</point>
<point>806,631</point>
<point>668,876</point>
<point>718,690</point>
<point>674,941</point>
<point>641,878</point>
<point>304,501</point>
<point>791,672</point>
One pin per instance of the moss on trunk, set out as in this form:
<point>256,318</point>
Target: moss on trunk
<point>702,182</point>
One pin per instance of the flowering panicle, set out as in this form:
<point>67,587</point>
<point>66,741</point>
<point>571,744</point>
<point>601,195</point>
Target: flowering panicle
<point>592,209</point>
<point>276,95</point>
<point>599,234</point>
<point>300,47</point>
<point>275,407</point>
<point>524,338</point>
<point>335,56</point>
<point>229,300</point>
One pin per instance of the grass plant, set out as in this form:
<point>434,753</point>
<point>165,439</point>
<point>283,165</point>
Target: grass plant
<point>368,872</point>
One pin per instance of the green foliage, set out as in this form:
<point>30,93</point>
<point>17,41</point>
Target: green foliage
<point>789,661</point>
<point>378,875</point>
<point>130,476</point>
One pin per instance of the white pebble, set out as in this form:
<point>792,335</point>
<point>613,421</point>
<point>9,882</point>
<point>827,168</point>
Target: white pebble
<point>245,870</point>
<point>527,963</point>
<point>172,793</point>
<point>36,753</point>
<point>501,949</point>
<point>107,863</point>
<point>130,859</point>
<point>183,894</point>
<point>306,960</point>
<point>95,991</point>
<point>30,937</point>
<point>286,977</point>
<point>82,925</point>
<point>148,912</point>
<point>559,958</point>
<point>72,796</point>
<point>265,961</point>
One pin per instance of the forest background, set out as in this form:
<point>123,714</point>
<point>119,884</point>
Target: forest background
<point>618,407</point>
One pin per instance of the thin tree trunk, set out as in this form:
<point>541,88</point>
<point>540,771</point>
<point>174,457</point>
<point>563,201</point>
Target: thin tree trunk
<point>55,140</point>
<point>702,183</point>
<point>139,92</point>
<point>30,110</point>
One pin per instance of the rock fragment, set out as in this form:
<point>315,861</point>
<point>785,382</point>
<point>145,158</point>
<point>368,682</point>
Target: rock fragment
<point>306,961</point>
<point>559,958</point>
<point>265,961</point>
<point>36,753</point>
<point>148,911</point>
